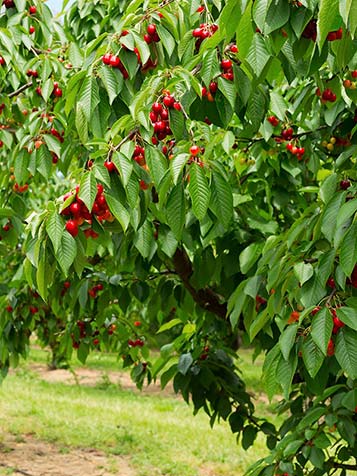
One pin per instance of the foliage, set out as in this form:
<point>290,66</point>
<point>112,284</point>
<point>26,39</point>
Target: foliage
<point>206,159</point>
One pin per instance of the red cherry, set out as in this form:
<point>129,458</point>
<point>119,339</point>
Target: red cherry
<point>115,61</point>
<point>159,126</point>
<point>274,121</point>
<point>213,87</point>
<point>9,308</point>
<point>151,29</point>
<point>96,341</point>
<point>106,58</point>
<point>315,310</point>
<point>33,309</point>
<point>330,348</point>
<point>331,283</point>
<point>32,10</point>
<point>226,64</point>
<point>67,284</point>
<point>354,73</point>
<point>169,101</point>
<point>147,38</point>
<point>233,49</point>
<point>2,61</point>
<point>156,107</point>
<point>110,166</point>
<point>72,228</point>
<point>164,115</point>
<point>200,9</point>
<point>339,33</point>
<point>289,146</point>
<point>143,185</point>
<point>331,36</point>
<point>195,150</point>
<point>32,29</point>
<point>197,32</point>
<point>58,92</point>
<point>345,184</point>
<point>177,106</point>
<point>75,208</point>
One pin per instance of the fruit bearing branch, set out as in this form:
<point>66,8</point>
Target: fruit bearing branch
<point>206,297</point>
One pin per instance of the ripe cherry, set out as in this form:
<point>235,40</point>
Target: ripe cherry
<point>75,208</point>
<point>233,48</point>
<point>32,29</point>
<point>274,121</point>
<point>115,61</point>
<point>72,228</point>
<point>330,348</point>
<point>226,64</point>
<point>32,10</point>
<point>151,29</point>
<point>195,150</point>
<point>315,310</point>
<point>169,101</point>
<point>177,106</point>
<point>197,32</point>
<point>213,87</point>
<point>106,58</point>
<point>345,184</point>
<point>58,92</point>
<point>2,61</point>
<point>110,166</point>
<point>157,107</point>
<point>9,308</point>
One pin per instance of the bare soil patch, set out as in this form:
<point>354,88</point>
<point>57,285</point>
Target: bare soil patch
<point>94,378</point>
<point>27,456</point>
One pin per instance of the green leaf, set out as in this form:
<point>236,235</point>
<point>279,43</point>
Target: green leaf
<point>81,124</point>
<point>287,340</point>
<point>67,252</point>
<point>166,38</point>
<point>176,211</point>
<point>88,189</point>
<point>169,325</point>
<point>144,240</point>
<point>348,315</point>
<point>55,229</point>
<point>118,210</point>
<point>312,355</point>
<point>277,16</point>
<point>346,351</point>
<point>245,32</point>
<point>228,89</point>
<point>285,373</point>
<point>113,81</point>
<point>258,55</point>
<point>210,67</point>
<point>329,215</point>
<point>42,276</point>
<point>259,323</point>
<point>199,191</point>
<point>249,256</point>
<point>178,124</point>
<point>249,435</point>
<point>321,329</point>
<point>157,164</point>
<point>328,188</point>
<point>221,199</point>
<point>124,165</point>
<point>73,86</point>
<point>328,12</point>
<point>348,253</point>
<point>303,272</point>
<point>346,211</point>
<point>185,362</point>
<point>88,96</point>
<point>312,416</point>
<point>176,166</point>
<point>313,291</point>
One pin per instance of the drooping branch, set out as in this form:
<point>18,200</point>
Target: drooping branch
<point>206,297</point>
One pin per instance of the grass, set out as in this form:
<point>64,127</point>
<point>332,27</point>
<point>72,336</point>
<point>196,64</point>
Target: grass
<point>158,434</point>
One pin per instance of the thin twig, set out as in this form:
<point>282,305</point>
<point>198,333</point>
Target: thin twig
<point>20,90</point>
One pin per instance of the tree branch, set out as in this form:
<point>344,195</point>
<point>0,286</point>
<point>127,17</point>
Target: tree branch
<point>20,90</point>
<point>206,297</point>
<point>350,467</point>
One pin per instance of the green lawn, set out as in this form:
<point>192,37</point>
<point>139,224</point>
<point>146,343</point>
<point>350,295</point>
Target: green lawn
<point>159,434</point>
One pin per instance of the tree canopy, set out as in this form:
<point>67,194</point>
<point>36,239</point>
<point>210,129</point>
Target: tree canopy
<point>183,174</point>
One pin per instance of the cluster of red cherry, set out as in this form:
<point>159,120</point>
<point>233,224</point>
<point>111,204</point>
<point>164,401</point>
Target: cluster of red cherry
<point>79,213</point>
<point>159,116</point>
<point>327,95</point>
<point>204,31</point>
<point>136,343</point>
<point>310,32</point>
<point>93,292</point>
<point>113,60</point>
